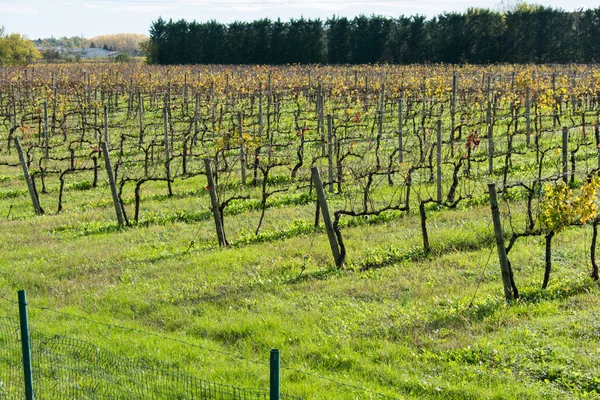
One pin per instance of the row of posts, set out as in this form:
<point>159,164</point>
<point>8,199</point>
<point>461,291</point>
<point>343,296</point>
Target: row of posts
<point>330,141</point>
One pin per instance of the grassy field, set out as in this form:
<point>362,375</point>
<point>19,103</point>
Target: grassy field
<point>396,321</point>
<point>420,327</point>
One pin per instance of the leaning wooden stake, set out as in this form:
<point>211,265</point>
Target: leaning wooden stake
<point>112,183</point>
<point>506,279</point>
<point>32,193</point>
<point>212,189</point>
<point>335,249</point>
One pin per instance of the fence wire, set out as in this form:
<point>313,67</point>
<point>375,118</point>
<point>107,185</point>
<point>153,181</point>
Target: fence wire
<point>68,368</point>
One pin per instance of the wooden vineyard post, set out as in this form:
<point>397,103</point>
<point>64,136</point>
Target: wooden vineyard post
<point>242,148</point>
<point>499,234</point>
<point>381,108</point>
<point>213,106</point>
<point>528,114</point>
<point>555,104</point>
<point>490,134</point>
<point>196,116</point>
<point>14,107</point>
<point>260,110</point>
<point>424,108</point>
<point>214,201</point>
<point>400,127</point>
<point>321,111</point>
<point>185,88</point>
<point>168,98</point>
<point>322,199</point>
<point>330,152</point>
<point>53,103</point>
<point>380,122</point>
<point>30,186</point>
<point>423,216</point>
<point>565,154</point>
<point>95,114</point>
<point>167,150</point>
<point>453,109</point>
<point>46,134</point>
<point>89,89</point>
<point>438,161</point>
<point>141,116</point>
<point>112,183</point>
<point>130,99</point>
<point>597,133</point>
<point>269,87</point>
<point>106,124</point>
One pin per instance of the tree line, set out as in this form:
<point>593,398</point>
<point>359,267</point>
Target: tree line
<point>527,34</point>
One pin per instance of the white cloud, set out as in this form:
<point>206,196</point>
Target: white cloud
<point>113,7</point>
<point>18,9</point>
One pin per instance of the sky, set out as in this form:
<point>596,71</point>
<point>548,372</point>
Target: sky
<point>89,18</point>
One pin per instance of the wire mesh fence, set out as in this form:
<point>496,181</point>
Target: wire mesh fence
<point>68,368</point>
<point>11,372</point>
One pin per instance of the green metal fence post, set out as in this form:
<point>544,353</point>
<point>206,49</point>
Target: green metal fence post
<point>25,345</point>
<point>274,381</point>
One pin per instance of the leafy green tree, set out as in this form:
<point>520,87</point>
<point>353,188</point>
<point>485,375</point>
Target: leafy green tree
<point>17,50</point>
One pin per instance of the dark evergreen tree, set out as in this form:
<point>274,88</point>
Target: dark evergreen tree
<point>279,45</point>
<point>339,40</point>
<point>524,35</point>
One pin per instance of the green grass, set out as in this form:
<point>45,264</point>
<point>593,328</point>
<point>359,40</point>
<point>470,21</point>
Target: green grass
<point>395,321</point>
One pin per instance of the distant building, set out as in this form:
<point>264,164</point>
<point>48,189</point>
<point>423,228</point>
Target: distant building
<point>98,53</point>
<point>59,49</point>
